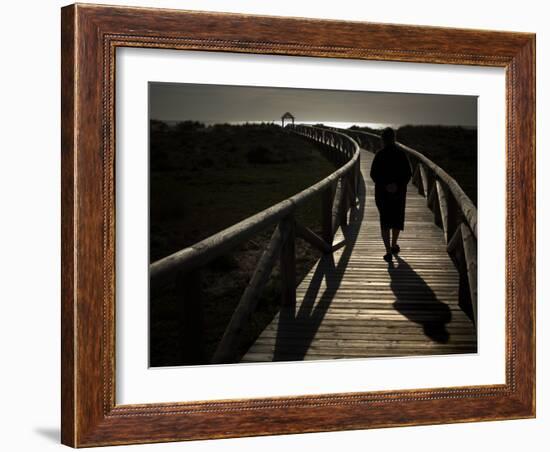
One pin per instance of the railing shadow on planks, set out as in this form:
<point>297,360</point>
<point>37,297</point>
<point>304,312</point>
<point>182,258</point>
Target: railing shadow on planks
<point>453,211</point>
<point>339,194</point>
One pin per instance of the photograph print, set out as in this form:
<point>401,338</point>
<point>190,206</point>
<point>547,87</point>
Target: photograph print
<point>292,224</point>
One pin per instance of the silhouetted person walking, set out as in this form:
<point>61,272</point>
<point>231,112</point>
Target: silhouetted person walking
<point>391,173</point>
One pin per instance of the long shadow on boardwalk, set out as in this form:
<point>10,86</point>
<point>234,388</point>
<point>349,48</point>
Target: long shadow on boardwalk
<point>416,301</point>
<point>313,308</point>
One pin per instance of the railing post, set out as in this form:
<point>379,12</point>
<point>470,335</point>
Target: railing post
<point>423,190</point>
<point>470,257</point>
<point>453,216</point>
<point>463,251</point>
<point>357,175</point>
<point>338,214</point>
<point>288,263</point>
<point>433,199</point>
<point>443,210</point>
<point>415,173</point>
<point>326,214</point>
<point>352,186</point>
<point>190,313</point>
<point>344,202</point>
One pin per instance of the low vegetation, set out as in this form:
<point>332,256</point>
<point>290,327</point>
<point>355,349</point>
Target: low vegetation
<point>204,179</point>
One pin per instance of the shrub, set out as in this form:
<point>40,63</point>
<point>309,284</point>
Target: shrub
<point>259,155</point>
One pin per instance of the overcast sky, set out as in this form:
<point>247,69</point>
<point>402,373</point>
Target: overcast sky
<point>219,103</point>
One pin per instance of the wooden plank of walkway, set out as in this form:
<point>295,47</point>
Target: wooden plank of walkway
<point>352,304</point>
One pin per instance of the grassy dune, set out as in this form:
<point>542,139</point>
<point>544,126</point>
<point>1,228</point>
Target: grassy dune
<point>204,179</point>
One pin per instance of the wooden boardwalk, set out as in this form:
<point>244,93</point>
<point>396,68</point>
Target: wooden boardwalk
<point>352,304</point>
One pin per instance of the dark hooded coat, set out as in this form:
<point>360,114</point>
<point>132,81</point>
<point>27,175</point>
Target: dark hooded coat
<point>390,165</point>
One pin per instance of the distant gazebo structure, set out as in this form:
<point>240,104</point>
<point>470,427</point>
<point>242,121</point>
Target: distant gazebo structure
<point>287,115</point>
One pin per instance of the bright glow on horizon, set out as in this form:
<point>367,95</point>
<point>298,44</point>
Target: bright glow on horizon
<point>347,125</point>
<point>336,124</point>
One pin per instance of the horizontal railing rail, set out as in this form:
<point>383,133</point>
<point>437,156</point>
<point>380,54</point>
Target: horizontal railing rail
<point>338,193</point>
<point>453,210</point>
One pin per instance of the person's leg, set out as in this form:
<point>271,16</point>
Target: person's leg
<point>384,229</point>
<point>394,236</point>
<point>386,238</point>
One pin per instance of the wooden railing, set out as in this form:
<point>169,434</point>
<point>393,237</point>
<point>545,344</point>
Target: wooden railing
<point>453,210</point>
<point>338,193</point>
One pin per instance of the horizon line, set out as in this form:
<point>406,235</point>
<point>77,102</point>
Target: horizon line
<point>337,124</point>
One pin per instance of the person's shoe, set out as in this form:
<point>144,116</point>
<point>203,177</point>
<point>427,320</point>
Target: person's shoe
<point>387,257</point>
<point>395,249</point>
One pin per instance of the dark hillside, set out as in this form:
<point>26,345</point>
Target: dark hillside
<point>452,148</point>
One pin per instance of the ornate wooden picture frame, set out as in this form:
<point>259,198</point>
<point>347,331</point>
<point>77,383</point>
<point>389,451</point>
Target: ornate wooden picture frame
<point>90,37</point>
